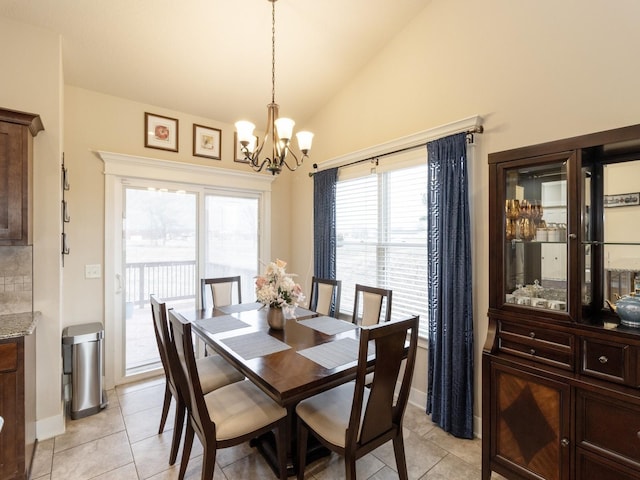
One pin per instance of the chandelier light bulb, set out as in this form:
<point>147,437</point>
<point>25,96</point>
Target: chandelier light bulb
<point>304,141</point>
<point>245,131</point>
<point>284,127</point>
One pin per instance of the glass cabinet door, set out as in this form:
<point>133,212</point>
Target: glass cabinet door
<point>610,246</point>
<point>535,234</point>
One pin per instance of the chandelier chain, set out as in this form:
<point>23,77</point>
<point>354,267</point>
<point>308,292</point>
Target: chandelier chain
<point>273,52</point>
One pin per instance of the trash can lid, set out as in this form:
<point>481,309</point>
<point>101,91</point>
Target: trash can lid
<point>86,332</point>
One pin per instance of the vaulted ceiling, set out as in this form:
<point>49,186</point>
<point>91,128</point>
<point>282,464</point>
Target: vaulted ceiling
<point>212,58</point>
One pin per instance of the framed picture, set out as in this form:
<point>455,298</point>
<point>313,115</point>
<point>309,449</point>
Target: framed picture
<point>622,200</point>
<point>238,156</point>
<point>207,142</point>
<point>160,132</point>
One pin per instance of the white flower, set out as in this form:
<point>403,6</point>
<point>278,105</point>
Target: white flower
<point>276,288</point>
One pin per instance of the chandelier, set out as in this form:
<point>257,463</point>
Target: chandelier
<point>279,130</point>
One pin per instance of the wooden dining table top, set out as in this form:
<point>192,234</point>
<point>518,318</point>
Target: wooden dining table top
<point>288,374</point>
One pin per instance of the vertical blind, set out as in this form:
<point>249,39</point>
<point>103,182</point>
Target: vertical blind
<point>381,228</point>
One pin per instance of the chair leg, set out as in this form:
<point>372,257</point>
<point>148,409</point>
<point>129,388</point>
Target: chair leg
<point>350,466</point>
<point>302,433</point>
<point>208,461</point>
<point>178,426</point>
<point>401,461</point>
<point>165,408</point>
<point>281,436</point>
<point>186,450</point>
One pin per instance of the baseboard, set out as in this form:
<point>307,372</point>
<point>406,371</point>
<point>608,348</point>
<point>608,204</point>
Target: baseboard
<point>50,427</point>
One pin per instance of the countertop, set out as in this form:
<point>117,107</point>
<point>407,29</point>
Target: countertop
<point>18,324</point>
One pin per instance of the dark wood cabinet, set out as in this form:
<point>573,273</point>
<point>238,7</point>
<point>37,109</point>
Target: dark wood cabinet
<point>561,374</point>
<point>16,157</point>
<point>17,406</point>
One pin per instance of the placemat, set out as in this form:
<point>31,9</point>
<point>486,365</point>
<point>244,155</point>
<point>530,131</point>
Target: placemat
<point>221,324</point>
<point>328,325</point>
<point>240,307</point>
<point>333,354</point>
<point>300,312</point>
<point>256,344</point>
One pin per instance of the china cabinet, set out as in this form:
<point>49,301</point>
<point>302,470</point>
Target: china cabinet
<point>16,157</point>
<point>561,362</point>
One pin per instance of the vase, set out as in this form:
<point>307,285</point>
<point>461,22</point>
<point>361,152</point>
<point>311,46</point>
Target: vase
<point>275,318</point>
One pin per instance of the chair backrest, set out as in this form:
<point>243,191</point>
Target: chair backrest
<point>324,297</point>
<point>161,329</point>
<point>187,373</point>
<point>221,291</point>
<point>381,415</point>
<point>373,299</point>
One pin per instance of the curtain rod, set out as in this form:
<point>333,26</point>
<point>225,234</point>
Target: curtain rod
<point>470,132</point>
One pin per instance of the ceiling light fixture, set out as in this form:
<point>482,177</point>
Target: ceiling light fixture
<point>279,130</point>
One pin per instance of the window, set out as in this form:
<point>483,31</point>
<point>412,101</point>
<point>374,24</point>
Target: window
<point>381,227</point>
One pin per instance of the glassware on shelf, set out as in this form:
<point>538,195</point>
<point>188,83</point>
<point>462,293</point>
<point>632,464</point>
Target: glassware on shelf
<point>512,209</point>
<point>527,229</point>
<point>511,229</point>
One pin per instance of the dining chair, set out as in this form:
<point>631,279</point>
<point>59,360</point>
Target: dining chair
<point>353,420</point>
<point>221,291</point>
<point>227,416</point>
<point>324,297</point>
<point>373,299</point>
<point>214,373</point>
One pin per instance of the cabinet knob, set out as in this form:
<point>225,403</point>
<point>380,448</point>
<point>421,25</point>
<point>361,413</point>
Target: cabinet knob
<point>564,442</point>
<point>602,359</point>
<point>573,236</point>
<point>532,351</point>
<point>532,334</point>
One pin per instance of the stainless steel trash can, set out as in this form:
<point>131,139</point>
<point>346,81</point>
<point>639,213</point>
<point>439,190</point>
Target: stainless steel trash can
<point>82,359</point>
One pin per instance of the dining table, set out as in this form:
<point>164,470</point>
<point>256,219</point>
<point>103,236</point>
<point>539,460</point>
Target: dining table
<point>310,354</point>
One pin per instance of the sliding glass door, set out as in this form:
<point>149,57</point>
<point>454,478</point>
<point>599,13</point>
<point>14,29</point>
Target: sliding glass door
<point>160,257</point>
<point>231,244</point>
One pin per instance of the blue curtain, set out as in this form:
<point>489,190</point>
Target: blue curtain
<point>324,223</point>
<point>450,372</point>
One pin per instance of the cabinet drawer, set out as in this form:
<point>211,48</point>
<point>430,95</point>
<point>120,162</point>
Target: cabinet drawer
<point>608,427</point>
<point>554,338</point>
<point>547,346</point>
<point>607,360</point>
<point>8,357</point>
<point>537,352</point>
<point>594,467</point>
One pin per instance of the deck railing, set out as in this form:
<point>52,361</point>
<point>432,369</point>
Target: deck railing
<point>167,280</point>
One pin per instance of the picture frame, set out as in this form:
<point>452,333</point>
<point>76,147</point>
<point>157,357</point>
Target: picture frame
<point>160,132</point>
<point>622,200</point>
<point>207,142</point>
<point>238,156</point>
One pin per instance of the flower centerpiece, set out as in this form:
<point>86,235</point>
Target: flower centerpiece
<point>277,290</point>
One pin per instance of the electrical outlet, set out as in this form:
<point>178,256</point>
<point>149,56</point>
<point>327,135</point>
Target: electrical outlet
<point>92,271</point>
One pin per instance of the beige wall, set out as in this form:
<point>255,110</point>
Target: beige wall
<point>535,71</point>
<point>31,81</point>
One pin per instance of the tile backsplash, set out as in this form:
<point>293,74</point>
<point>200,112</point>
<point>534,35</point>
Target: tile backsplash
<point>16,279</point>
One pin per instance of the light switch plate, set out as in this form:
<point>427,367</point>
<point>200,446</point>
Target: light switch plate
<point>92,271</point>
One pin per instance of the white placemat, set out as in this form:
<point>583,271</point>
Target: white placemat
<point>328,325</point>
<point>333,354</point>
<point>240,307</point>
<point>300,312</point>
<point>221,324</point>
<point>256,344</point>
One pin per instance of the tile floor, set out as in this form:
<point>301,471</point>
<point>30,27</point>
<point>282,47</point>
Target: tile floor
<point>122,443</point>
